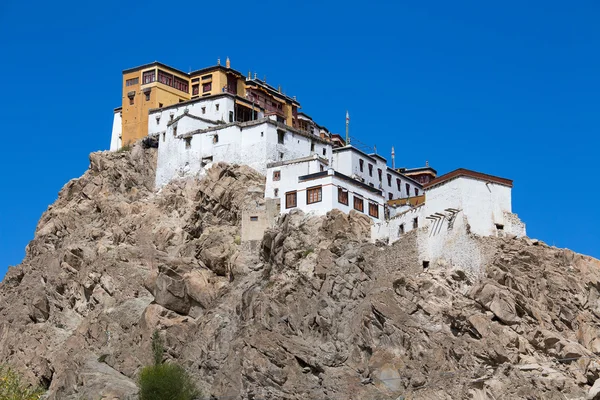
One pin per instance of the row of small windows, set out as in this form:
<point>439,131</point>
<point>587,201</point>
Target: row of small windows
<point>132,81</point>
<point>314,195</point>
<point>361,164</point>
<point>166,79</point>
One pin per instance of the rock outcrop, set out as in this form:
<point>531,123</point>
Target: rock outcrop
<point>315,311</point>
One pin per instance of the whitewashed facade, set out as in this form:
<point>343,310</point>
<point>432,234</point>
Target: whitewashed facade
<point>481,205</point>
<point>372,170</point>
<point>115,138</point>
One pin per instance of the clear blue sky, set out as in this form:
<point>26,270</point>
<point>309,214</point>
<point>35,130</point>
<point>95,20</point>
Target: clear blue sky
<point>510,89</point>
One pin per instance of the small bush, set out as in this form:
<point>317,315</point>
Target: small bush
<point>166,382</point>
<point>308,251</point>
<point>126,147</point>
<point>237,240</point>
<point>157,348</point>
<point>12,388</point>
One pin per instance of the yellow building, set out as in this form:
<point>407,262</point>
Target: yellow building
<point>157,85</point>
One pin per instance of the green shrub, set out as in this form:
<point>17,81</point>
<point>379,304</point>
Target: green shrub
<point>166,382</point>
<point>12,388</point>
<point>157,348</point>
<point>308,251</point>
<point>126,147</point>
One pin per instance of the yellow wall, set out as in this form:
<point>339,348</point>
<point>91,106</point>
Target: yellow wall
<point>135,117</point>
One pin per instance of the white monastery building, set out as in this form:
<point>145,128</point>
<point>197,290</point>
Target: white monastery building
<point>306,167</point>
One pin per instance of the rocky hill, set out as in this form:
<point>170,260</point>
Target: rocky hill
<point>314,311</point>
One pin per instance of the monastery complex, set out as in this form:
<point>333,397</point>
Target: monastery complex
<point>219,114</point>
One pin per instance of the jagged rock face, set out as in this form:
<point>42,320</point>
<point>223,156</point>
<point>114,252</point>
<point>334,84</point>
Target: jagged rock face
<point>314,311</point>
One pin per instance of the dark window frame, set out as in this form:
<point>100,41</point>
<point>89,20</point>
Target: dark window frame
<point>288,198</point>
<point>318,190</point>
<point>359,204</point>
<point>343,196</point>
<point>374,210</point>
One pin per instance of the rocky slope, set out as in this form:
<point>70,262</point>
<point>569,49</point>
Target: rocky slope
<point>312,312</point>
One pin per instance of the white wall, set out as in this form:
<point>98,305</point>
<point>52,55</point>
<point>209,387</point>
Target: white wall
<point>481,206</point>
<point>253,143</point>
<point>347,161</point>
<point>483,203</point>
<point>329,185</point>
<point>115,138</point>
<point>225,105</point>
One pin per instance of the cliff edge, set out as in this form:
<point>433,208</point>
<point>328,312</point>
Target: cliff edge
<point>313,311</point>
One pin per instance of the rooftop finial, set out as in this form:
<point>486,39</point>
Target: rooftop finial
<point>375,149</point>
<point>255,75</point>
<point>427,163</point>
<point>393,158</point>
<point>227,63</point>
<point>279,88</point>
<point>249,75</point>
<point>218,61</point>
<point>265,79</point>
<point>347,128</point>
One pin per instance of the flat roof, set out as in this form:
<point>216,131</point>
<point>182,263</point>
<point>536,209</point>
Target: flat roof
<point>416,170</point>
<point>298,160</point>
<point>378,156</point>
<point>339,175</point>
<point>462,172</point>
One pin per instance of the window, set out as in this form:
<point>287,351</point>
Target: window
<point>254,218</point>
<point>180,84</point>
<point>407,190</point>
<point>380,174</point>
<point>361,165</point>
<point>164,135</point>
<point>262,134</point>
<point>314,195</point>
<point>203,110</point>
<point>371,184</point>
<point>160,105</point>
<point>290,199</point>
<point>399,184</point>
<point>324,151</point>
<point>276,175</point>
<point>374,210</point>
<point>280,137</point>
<point>131,100</point>
<point>206,87</point>
<point>312,146</point>
<point>370,170</point>
<point>148,77</point>
<point>217,106</point>
<point>230,116</point>
<point>415,222</point>
<point>391,196</point>
<point>276,192</point>
<point>389,180</point>
<point>205,77</point>
<point>401,229</point>
<point>171,116</point>
<point>321,168</point>
<point>175,130</point>
<point>500,227</point>
<point>342,196</point>
<point>425,264</point>
<point>416,192</point>
<point>147,96</point>
<point>195,89</point>
<point>216,139</point>
<point>358,204</point>
<point>195,80</point>
<point>132,81</point>
<point>281,156</point>
<point>188,143</point>
<point>165,78</point>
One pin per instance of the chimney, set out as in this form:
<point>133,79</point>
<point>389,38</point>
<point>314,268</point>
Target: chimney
<point>227,63</point>
<point>218,61</point>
